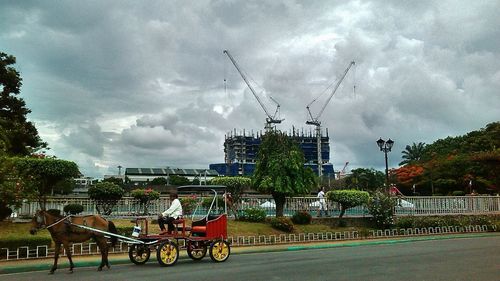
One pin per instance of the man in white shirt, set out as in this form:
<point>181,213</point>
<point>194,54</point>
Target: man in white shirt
<point>168,217</point>
<point>322,202</point>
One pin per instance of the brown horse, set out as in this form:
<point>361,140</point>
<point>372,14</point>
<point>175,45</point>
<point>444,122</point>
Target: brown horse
<point>63,232</point>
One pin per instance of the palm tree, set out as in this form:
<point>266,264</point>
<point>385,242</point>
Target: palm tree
<point>412,153</point>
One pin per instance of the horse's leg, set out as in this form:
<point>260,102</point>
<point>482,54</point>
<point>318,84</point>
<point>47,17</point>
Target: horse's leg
<point>56,256</point>
<point>102,243</point>
<point>68,254</point>
<point>106,254</point>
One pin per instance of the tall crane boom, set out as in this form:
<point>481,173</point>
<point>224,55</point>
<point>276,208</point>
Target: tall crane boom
<point>315,120</point>
<point>270,119</point>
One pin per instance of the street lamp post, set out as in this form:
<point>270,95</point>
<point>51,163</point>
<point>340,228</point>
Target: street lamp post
<point>386,146</point>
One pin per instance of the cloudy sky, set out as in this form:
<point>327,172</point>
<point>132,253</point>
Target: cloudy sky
<point>141,83</point>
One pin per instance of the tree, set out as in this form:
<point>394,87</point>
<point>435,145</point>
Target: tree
<point>348,198</point>
<point>117,181</point>
<point>42,175</point>
<point>412,153</point>
<point>178,180</point>
<point>20,134</point>
<point>280,171</point>
<point>105,195</point>
<point>381,206</point>
<point>143,197</point>
<point>365,179</point>
<point>409,175</point>
<point>235,187</point>
<point>10,192</point>
<point>159,181</point>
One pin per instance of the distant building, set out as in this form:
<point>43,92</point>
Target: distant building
<point>241,149</point>
<point>82,185</point>
<point>122,177</point>
<point>142,175</point>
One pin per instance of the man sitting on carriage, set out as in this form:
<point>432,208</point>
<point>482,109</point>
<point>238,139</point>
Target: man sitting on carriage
<point>169,216</point>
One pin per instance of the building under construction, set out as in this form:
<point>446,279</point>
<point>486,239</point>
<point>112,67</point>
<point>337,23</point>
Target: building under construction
<point>241,148</point>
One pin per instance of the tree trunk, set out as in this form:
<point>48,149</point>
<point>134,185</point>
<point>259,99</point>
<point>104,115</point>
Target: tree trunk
<point>279,200</point>
<point>342,211</point>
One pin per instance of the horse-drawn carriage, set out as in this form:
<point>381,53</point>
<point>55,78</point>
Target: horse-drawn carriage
<point>205,233</point>
<point>208,233</point>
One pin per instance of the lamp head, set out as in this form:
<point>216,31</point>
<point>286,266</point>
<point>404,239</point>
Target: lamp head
<point>380,143</point>
<point>389,144</point>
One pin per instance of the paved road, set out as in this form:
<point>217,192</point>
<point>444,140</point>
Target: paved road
<point>454,259</point>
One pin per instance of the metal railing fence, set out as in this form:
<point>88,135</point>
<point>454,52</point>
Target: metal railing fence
<point>421,205</point>
<point>90,248</point>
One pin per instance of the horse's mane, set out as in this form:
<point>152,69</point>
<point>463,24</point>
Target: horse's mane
<point>59,216</point>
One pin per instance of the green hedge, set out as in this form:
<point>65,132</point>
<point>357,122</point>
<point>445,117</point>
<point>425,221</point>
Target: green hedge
<point>302,217</point>
<point>348,198</point>
<point>282,223</point>
<point>12,243</point>
<point>435,221</point>
<point>253,215</point>
<point>73,209</point>
<point>125,230</point>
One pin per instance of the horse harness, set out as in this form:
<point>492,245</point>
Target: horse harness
<point>67,221</point>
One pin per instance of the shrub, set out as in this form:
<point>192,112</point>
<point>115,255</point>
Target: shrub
<point>348,198</point>
<point>125,230</point>
<point>5,212</point>
<point>458,193</point>
<point>54,212</point>
<point>254,215</point>
<point>405,222</point>
<point>73,209</point>
<point>188,205</point>
<point>207,201</point>
<point>143,197</point>
<point>13,243</point>
<point>381,207</point>
<point>438,221</point>
<point>302,217</point>
<point>282,223</point>
<point>105,195</point>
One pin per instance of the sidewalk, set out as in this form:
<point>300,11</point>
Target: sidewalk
<point>114,259</point>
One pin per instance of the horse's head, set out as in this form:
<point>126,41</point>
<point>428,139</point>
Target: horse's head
<point>38,222</point>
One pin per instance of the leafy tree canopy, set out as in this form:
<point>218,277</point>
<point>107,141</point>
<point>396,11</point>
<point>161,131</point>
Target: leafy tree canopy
<point>280,169</point>
<point>365,179</point>
<point>117,181</point>
<point>235,186</point>
<point>20,137</point>
<point>178,180</point>
<point>159,181</point>
<point>413,153</point>
<point>42,175</point>
<point>461,163</point>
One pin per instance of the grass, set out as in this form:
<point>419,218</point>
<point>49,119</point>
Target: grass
<point>235,228</point>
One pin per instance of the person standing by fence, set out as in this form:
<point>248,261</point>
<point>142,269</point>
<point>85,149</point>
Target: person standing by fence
<point>322,202</point>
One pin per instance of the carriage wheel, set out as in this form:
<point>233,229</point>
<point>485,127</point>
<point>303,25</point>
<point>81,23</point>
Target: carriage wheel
<point>139,254</point>
<point>167,253</point>
<point>196,250</point>
<point>220,251</point>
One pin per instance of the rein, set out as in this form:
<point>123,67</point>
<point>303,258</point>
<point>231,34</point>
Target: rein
<point>47,227</point>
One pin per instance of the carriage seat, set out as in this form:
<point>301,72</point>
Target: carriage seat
<point>199,229</point>
<point>180,225</point>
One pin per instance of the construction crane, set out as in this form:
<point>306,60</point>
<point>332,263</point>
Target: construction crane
<point>342,172</point>
<point>315,120</point>
<point>271,119</point>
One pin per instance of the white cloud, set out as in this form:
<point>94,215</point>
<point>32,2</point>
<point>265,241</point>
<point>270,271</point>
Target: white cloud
<point>142,84</point>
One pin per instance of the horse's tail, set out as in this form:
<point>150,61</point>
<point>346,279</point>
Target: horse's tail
<point>112,229</point>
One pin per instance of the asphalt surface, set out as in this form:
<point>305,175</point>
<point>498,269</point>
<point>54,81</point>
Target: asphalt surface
<point>453,257</point>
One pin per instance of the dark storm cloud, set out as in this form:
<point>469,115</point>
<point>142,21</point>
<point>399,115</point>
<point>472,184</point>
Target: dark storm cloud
<point>141,83</point>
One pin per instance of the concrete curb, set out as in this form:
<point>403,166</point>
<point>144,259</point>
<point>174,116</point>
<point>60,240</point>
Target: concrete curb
<point>46,264</point>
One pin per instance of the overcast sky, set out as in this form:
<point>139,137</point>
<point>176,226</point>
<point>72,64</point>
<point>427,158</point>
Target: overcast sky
<point>141,83</point>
